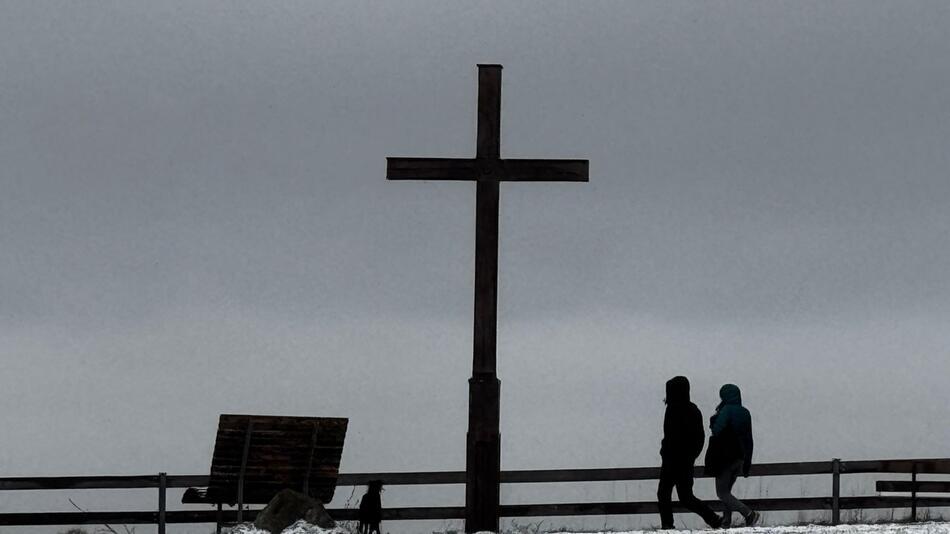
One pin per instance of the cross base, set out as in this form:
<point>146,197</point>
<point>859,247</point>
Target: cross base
<point>482,494</point>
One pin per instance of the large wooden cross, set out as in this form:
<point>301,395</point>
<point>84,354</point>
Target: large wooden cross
<point>487,169</point>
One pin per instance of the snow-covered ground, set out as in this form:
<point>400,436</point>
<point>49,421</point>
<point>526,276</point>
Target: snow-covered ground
<point>888,528</point>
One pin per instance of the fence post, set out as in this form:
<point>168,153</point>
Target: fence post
<point>835,491</point>
<point>913,494</point>
<point>162,486</point>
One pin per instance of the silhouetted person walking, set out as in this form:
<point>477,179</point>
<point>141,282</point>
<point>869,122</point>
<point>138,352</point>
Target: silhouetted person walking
<point>371,508</point>
<point>683,438</point>
<point>730,452</point>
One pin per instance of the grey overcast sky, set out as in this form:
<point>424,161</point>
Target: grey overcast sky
<point>194,220</point>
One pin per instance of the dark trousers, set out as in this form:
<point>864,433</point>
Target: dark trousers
<point>724,482</point>
<point>680,475</point>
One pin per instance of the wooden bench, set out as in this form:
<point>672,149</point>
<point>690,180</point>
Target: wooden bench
<point>257,456</point>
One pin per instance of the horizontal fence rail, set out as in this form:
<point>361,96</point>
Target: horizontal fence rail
<point>100,482</point>
<point>577,475</point>
<point>905,486</point>
<point>163,481</point>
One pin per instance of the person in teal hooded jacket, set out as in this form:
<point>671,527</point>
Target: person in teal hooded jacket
<point>730,451</point>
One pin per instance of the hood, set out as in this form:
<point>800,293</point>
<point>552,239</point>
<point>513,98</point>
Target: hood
<point>677,390</point>
<point>730,394</point>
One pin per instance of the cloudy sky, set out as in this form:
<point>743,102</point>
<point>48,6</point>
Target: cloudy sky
<point>194,220</point>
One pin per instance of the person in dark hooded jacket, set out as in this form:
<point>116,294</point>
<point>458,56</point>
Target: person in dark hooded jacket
<point>683,439</point>
<point>730,451</point>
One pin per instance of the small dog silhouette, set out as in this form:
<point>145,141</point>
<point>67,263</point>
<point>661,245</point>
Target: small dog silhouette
<point>371,508</point>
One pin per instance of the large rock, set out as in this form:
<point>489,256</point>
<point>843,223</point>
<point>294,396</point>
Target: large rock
<point>289,506</point>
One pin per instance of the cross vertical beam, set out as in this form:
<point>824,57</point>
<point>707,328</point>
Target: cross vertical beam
<point>483,450</point>
<point>486,219</point>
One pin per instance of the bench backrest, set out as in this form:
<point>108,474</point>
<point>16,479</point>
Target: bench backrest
<point>266,454</point>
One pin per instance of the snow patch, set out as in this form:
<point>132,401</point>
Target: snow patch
<point>888,528</point>
<point>300,527</point>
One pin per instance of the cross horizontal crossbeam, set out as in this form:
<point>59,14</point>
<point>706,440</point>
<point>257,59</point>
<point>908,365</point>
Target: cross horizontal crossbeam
<point>487,169</point>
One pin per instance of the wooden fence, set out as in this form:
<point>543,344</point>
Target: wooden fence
<point>162,516</point>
